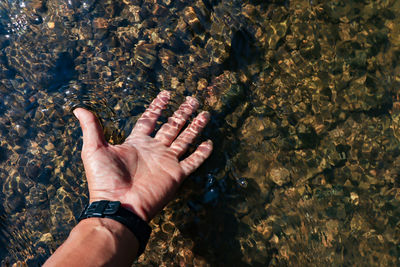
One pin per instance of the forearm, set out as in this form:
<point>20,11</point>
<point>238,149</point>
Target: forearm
<point>96,242</point>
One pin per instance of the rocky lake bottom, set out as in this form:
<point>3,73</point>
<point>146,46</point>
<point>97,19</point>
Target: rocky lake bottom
<point>305,123</point>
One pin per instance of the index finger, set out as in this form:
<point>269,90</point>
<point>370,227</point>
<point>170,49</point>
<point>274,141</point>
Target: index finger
<point>147,122</point>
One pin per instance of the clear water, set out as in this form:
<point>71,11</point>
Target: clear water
<point>305,108</point>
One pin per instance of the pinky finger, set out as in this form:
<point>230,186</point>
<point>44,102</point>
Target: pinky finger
<point>191,163</point>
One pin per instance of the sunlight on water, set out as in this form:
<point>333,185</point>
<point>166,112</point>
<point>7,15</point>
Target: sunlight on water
<point>305,122</point>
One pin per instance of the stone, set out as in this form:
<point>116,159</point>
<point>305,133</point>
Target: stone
<point>279,175</point>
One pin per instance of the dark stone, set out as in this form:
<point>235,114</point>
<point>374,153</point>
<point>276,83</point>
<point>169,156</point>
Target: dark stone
<point>241,50</point>
<point>63,71</point>
<point>3,154</point>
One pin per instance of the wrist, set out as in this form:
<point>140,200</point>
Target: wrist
<point>136,210</point>
<point>105,227</point>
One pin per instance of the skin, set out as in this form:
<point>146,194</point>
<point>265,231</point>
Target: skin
<point>143,174</point>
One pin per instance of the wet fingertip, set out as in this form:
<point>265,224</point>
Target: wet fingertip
<point>205,114</point>
<point>208,143</point>
<point>192,101</point>
<point>75,112</point>
<point>165,92</point>
<point>164,95</point>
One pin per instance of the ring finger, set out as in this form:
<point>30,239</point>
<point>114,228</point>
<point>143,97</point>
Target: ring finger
<point>181,144</point>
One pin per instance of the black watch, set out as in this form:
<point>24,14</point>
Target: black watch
<point>114,210</point>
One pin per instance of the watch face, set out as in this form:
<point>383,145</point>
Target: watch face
<point>112,208</point>
<point>101,208</point>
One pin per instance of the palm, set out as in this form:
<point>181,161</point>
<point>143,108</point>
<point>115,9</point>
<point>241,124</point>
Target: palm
<point>143,172</point>
<point>125,171</point>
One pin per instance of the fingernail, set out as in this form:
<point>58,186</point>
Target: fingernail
<point>75,114</point>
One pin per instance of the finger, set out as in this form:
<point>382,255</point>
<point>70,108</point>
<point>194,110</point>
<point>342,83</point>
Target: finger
<point>181,144</point>
<point>93,136</point>
<point>191,163</point>
<point>170,130</point>
<point>147,122</point>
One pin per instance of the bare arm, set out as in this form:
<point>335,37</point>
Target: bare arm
<point>143,174</point>
<point>96,242</point>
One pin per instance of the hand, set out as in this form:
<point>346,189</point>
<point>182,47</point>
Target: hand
<point>143,173</point>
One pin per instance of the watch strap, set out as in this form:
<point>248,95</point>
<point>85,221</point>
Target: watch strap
<point>114,210</point>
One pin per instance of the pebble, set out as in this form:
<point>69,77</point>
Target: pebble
<point>354,198</point>
<point>279,175</point>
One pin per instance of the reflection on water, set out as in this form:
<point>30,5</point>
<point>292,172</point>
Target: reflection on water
<point>305,121</point>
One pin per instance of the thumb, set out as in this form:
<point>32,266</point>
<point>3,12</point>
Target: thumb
<point>93,136</point>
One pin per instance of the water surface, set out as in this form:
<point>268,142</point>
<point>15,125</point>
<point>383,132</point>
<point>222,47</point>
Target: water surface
<point>305,106</point>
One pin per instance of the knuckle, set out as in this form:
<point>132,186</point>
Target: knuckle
<point>166,128</point>
<point>92,120</point>
<point>181,115</point>
<point>188,138</point>
<point>190,133</point>
<point>200,122</point>
<point>175,121</point>
<point>195,128</point>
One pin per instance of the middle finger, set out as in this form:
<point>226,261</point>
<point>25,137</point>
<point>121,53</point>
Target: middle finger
<point>170,130</point>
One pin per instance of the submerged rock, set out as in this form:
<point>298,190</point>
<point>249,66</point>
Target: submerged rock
<point>304,104</point>
<point>279,175</point>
